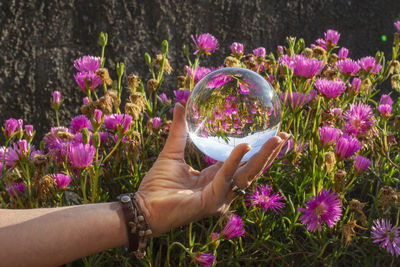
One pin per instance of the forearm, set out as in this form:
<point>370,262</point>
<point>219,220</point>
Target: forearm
<point>50,237</point>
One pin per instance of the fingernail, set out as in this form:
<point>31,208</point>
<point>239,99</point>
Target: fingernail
<point>248,147</point>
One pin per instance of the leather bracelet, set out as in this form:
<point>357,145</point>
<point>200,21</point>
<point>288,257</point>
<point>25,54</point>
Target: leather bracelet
<point>138,230</point>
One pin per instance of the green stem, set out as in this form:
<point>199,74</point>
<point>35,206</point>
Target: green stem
<point>58,121</point>
<point>83,186</point>
<point>170,248</point>
<point>113,150</point>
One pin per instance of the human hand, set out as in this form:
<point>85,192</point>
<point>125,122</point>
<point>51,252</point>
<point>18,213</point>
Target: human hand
<point>173,193</point>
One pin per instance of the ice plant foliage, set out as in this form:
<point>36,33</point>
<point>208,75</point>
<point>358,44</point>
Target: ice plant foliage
<point>387,235</point>
<point>323,208</point>
<point>262,197</point>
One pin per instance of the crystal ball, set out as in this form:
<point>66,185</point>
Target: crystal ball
<point>231,106</point>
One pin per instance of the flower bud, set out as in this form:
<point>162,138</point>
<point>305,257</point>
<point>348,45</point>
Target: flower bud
<point>103,38</point>
<point>120,69</point>
<point>126,123</point>
<point>96,140</point>
<point>56,100</point>
<point>156,123</point>
<point>85,136</point>
<point>237,49</point>
<point>86,100</point>
<point>10,127</point>
<point>279,50</point>
<point>355,85</point>
<point>164,46</point>
<point>29,132</point>
<point>23,147</point>
<point>343,53</point>
<point>147,58</point>
<point>164,99</point>
<point>97,116</point>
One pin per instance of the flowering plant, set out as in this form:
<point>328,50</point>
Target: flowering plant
<point>328,198</point>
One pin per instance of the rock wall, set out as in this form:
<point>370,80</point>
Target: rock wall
<point>39,39</point>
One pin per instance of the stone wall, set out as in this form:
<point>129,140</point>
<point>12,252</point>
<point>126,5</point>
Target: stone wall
<point>39,39</point>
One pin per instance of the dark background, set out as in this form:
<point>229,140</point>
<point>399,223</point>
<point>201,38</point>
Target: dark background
<point>40,39</point>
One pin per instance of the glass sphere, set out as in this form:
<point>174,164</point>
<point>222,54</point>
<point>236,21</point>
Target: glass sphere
<point>231,106</point>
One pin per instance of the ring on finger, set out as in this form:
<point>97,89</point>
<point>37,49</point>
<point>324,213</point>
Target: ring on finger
<point>237,190</point>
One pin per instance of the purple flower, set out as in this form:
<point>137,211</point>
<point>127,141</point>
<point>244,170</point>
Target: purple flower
<point>19,188</point>
<point>87,80</point>
<point>385,110</point>
<point>330,89</point>
<point>182,96</point>
<point>23,147</point>
<point>343,53</point>
<point>85,100</point>
<point>20,125</point>
<point>113,120</point>
<point>80,155</point>
<point>386,234</point>
<point>297,99</point>
<point>205,259</point>
<point>87,63</point>
<point>10,127</point>
<point>218,80</point>
<point>29,130</point>
<point>262,197</point>
<point>355,85</point>
<point>321,42</point>
<point>386,99</point>
<point>348,66</point>
<point>259,52</point>
<point>303,66</point>
<point>56,99</point>
<point>369,64</point>
<point>97,116</point>
<point>361,164</point>
<point>237,49</point>
<point>279,50</point>
<point>360,118</point>
<point>199,73</point>
<point>332,37</point>
<point>156,122</point>
<point>205,43</point>
<point>62,180</point>
<point>347,146</point>
<point>126,123</point>
<point>325,207</point>
<point>329,135</point>
<point>397,24</point>
<point>164,99</point>
<point>208,160</point>
<point>79,122</point>
<point>234,227</point>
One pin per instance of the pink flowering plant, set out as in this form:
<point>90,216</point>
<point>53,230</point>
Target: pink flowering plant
<point>330,198</point>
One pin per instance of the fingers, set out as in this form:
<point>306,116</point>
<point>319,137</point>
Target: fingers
<point>222,181</point>
<point>176,142</point>
<point>257,163</point>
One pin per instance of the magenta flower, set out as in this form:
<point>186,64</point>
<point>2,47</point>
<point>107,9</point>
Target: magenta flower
<point>56,99</point>
<point>347,146</point>
<point>97,116</point>
<point>397,25</point>
<point>329,135</point>
<point>62,180</point>
<point>10,126</point>
<point>113,120</point>
<point>386,100</point>
<point>303,66</point>
<point>361,164</point>
<point>80,155</point>
<point>355,85</point>
<point>359,118</point>
<point>262,197</point>
<point>87,80</point>
<point>369,64</point>
<point>126,123</point>
<point>208,160</point>
<point>343,53</point>
<point>330,89</point>
<point>332,37</point>
<point>87,63</point>
<point>385,110</point>
<point>85,100</point>
<point>199,73</point>
<point>218,80</point>
<point>20,125</point>
<point>297,99</point>
<point>234,227</point>
<point>325,207</point>
<point>237,49</point>
<point>348,66</point>
<point>205,259</point>
<point>19,188</point>
<point>259,52</point>
<point>386,234</point>
<point>205,43</point>
<point>181,96</point>
<point>321,42</point>
<point>29,130</point>
<point>244,88</point>
<point>79,122</point>
<point>156,122</point>
<point>19,151</point>
<point>164,99</point>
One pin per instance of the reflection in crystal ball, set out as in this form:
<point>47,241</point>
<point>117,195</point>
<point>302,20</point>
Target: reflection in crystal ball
<point>231,106</point>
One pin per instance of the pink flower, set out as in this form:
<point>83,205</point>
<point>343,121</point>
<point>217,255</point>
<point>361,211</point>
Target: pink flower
<point>397,24</point>
<point>29,130</point>
<point>355,85</point>
<point>279,50</point>
<point>385,110</point>
<point>199,73</point>
<point>332,37</point>
<point>237,49</point>
<point>87,80</point>
<point>156,122</point>
<point>126,123</point>
<point>297,99</point>
<point>330,89</point>
<point>56,99</point>
<point>205,43</point>
<point>369,64</point>
<point>97,116</point>
<point>303,66</point>
<point>347,146</point>
<point>259,52</point>
<point>234,227</point>
<point>208,160</point>
<point>85,100</point>
<point>262,197</point>
<point>62,180</point>
<point>386,99</point>
<point>325,207</point>
<point>343,53</point>
<point>386,234</point>
<point>218,80</point>
<point>81,156</point>
<point>348,66</point>
<point>19,188</point>
<point>205,259</point>
<point>164,99</point>
<point>359,118</point>
<point>329,135</point>
<point>79,122</point>
<point>87,63</point>
<point>10,127</point>
<point>361,164</point>
<point>181,96</point>
<point>244,88</point>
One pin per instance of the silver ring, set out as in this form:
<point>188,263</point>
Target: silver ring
<point>237,190</point>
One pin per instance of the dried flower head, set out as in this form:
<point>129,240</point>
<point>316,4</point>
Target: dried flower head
<point>133,81</point>
<point>104,75</point>
<point>167,66</point>
<point>357,207</point>
<point>231,62</point>
<point>348,231</point>
<point>329,161</point>
<point>338,180</point>
<point>387,196</point>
